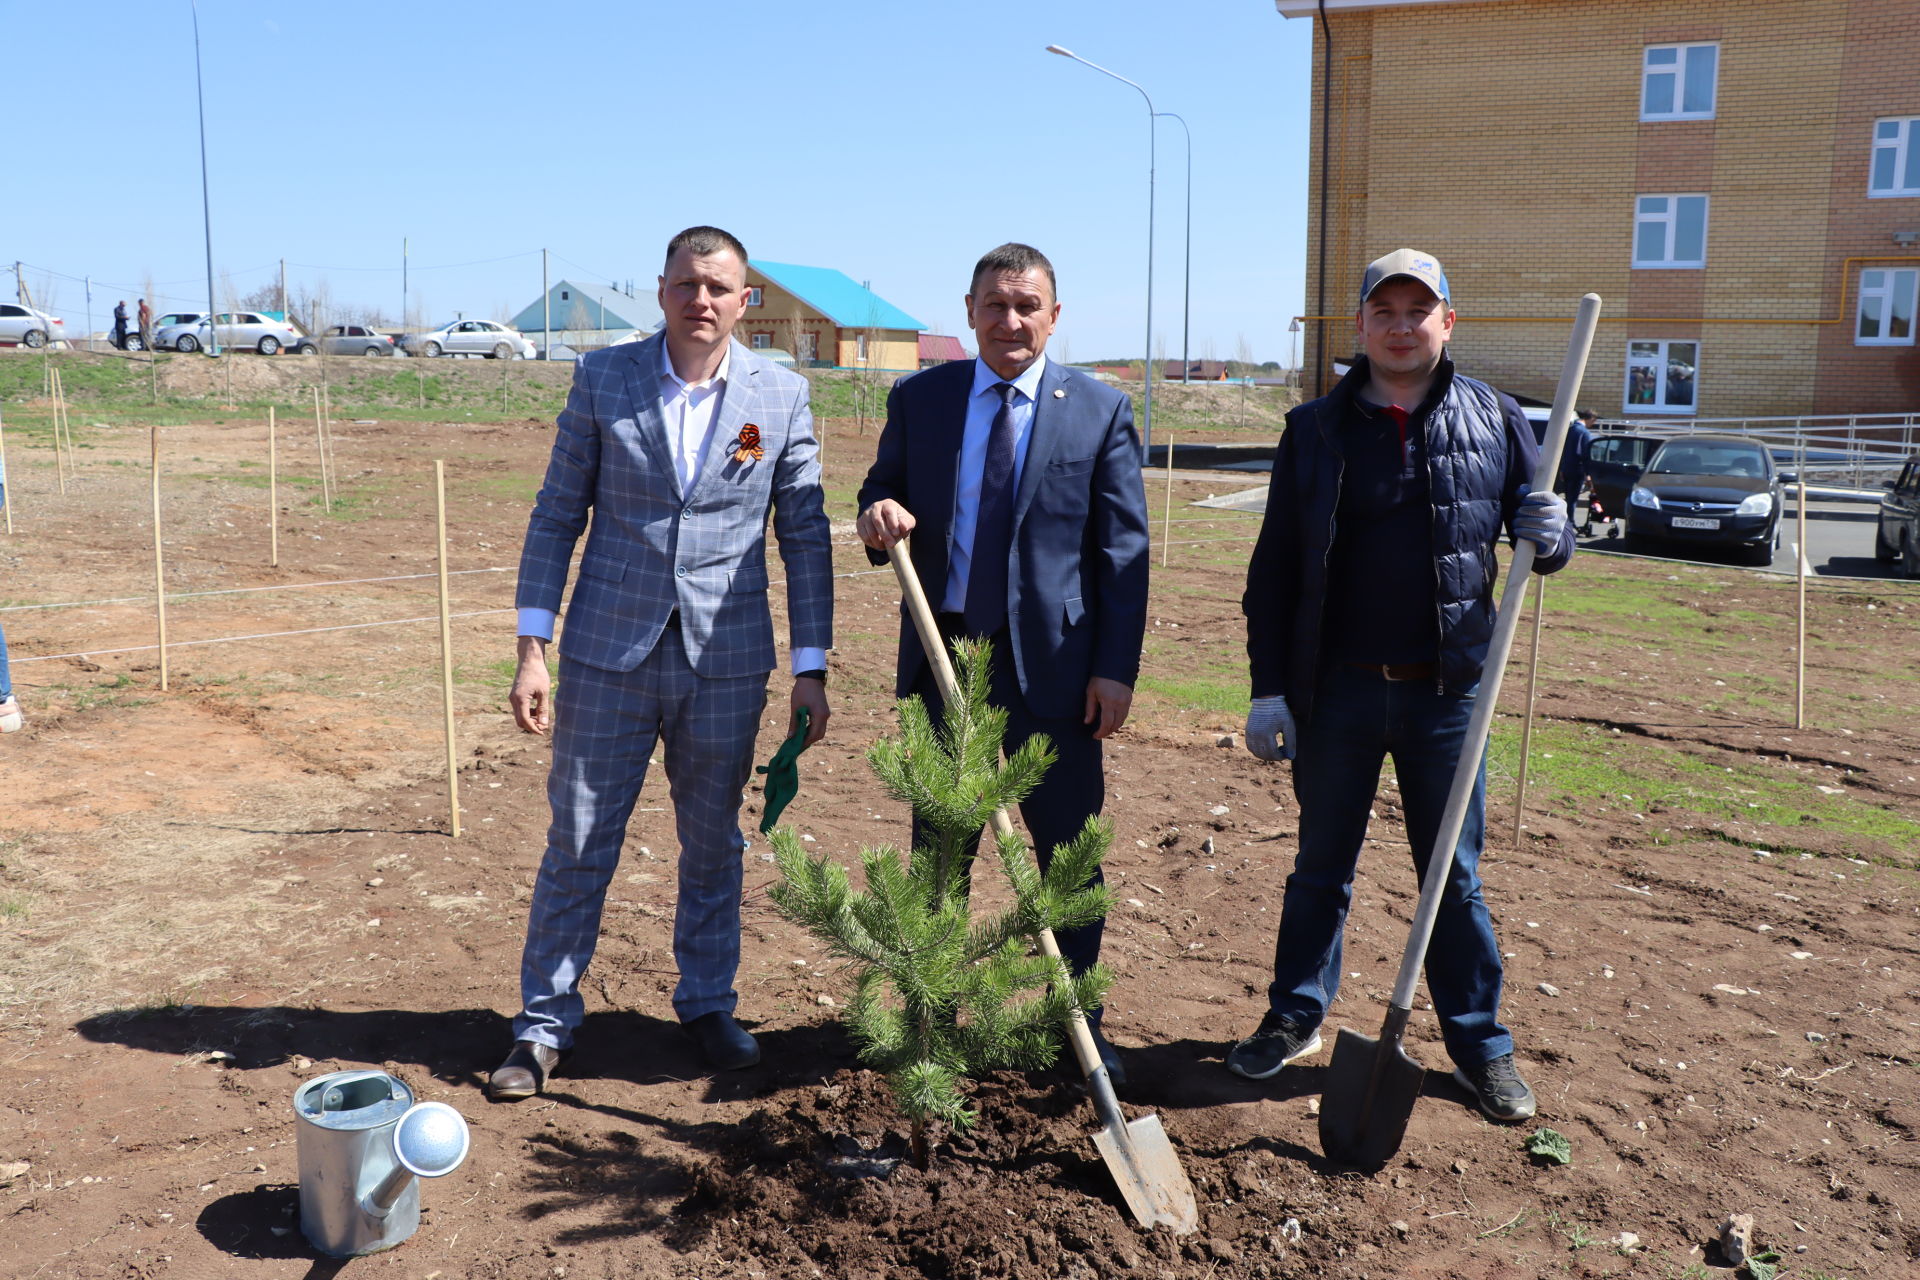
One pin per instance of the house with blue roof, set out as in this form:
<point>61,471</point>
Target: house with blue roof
<point>586,317</point>
<point>826,317</point>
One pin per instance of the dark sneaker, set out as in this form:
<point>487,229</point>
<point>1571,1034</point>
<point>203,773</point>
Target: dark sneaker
<point>1498,1088</point>
<point>1273,1046</point>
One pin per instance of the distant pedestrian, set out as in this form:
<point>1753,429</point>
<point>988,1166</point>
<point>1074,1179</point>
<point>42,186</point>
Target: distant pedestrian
<point>120,325</point>
<point>1573,455</point>
<point>146,326</point>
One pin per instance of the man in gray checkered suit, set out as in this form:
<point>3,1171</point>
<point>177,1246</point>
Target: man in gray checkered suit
<point>678,447</point>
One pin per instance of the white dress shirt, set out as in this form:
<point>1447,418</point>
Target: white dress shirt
<point>688,411</point>
<point>983,403</point>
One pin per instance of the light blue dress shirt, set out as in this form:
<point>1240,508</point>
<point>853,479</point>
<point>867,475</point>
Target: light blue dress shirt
<point>983,402</point>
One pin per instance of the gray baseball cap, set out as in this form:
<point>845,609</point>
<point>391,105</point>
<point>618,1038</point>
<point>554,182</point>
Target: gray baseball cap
<point>1412,264</point>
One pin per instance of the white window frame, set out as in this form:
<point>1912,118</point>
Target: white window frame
<point>806,347</point>
<point>760,341</point>
<point>1889,288</point>
<point>755,295</point>
<point>1901,146</point>
<point>1664,357</point>
<point>1678,70</point>
<point>860,347</point>
<point>1671,219</point>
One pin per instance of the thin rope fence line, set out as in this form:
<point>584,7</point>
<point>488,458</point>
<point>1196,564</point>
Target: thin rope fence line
<point>264,635</point>
<point>229,591</point>
<point>350,626</point>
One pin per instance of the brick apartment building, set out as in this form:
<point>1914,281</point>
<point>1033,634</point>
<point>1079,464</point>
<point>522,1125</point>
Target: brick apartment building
<point>1738,179</point>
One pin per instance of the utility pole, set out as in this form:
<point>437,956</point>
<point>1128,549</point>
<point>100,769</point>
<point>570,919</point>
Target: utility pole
<point>546,310</point>
<point>19,284</point>
<point>88,282</point>
<point>206,200</point>
<point>404,322</point>
<point>283,288</point>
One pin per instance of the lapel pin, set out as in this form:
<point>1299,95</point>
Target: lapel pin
<point>1058,394</point>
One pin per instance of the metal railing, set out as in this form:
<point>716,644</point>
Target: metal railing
<point>1858,450</point>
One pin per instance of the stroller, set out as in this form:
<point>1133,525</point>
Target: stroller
<point>1596,515</point>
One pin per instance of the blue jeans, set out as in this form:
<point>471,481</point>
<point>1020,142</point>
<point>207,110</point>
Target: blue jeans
<point>1358,718</point>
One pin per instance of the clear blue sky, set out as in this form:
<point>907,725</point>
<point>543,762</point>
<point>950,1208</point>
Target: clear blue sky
<point>894,141</point>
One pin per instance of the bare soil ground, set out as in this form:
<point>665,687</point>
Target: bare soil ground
<point>210,894</point>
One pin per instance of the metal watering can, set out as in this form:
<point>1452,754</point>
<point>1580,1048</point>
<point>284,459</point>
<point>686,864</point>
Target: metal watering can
<point>364,1145</point>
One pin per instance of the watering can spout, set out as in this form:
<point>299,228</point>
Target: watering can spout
<point>430,1141</point>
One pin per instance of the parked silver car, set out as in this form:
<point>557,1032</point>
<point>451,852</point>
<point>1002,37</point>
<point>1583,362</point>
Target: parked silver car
<point>240,329</point>
<point>469,337</point>
<point>28,327</point>
<point>172,318</point>
<point>355,340</point>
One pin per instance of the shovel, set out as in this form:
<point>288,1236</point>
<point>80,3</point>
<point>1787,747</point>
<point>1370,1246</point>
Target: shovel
<point>1373,1084</point>
<point>1138,1154</point>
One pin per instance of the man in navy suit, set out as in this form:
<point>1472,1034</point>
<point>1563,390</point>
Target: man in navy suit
<point>1020,481</point>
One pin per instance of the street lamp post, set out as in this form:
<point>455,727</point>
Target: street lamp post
<point>1293,350</point>
<point>1146,365</point>
<point>206,200</point>
<point>1186,280</point>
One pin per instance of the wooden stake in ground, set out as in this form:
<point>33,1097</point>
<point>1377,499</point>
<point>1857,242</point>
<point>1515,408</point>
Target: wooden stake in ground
<point>1166,522</point>
<point>422,371</point>
<point>159,564</point>
<point>320,441</point>
<point>6,499</point>
<point>326,416</point>
<point>66,421</point>
<point>59,450</point>
<point>1526,728</point>
<point>446,647</point>
<point>1800,577</point>
<point>273,491</point>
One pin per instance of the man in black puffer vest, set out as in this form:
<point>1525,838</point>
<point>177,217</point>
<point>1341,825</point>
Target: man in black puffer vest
<point>1369,613</point>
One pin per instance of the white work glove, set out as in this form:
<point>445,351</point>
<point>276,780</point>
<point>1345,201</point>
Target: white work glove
<point>1270,730</point>
<point>1541,520</point>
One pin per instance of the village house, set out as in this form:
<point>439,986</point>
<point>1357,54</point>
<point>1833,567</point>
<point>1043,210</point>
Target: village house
<point>824,317</point>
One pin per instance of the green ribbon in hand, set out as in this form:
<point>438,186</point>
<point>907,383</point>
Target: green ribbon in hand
<point>783,773</point>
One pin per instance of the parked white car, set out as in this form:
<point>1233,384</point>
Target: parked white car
<point>243,330</point>
<point>28,327</point>
<point>469,337</point>
<point>355,340</point>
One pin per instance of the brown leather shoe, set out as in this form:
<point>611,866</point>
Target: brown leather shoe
<point>524,1073</point>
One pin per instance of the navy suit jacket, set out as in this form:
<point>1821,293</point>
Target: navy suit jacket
<point>1077,581</point>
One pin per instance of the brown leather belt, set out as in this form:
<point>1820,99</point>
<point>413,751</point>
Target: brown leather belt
<point>1398,671</point>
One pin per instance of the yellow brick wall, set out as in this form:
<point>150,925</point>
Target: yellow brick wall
<point>1505,139</point>
<point>893,350</point>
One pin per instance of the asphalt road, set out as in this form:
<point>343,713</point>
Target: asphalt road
<point>1839,542</point>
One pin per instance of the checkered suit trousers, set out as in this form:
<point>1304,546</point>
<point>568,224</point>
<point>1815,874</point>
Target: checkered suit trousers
<point>606,724</point>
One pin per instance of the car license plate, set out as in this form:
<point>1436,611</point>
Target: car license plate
<point>1694,522</point>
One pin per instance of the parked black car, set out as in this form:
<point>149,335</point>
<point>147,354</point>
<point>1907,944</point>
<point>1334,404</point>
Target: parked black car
<point>1715,491</point>
<point>1614,463</point>
<point>1898,537</point>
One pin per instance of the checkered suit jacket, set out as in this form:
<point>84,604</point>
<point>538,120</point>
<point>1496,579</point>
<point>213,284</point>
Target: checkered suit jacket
<point>653,549</point>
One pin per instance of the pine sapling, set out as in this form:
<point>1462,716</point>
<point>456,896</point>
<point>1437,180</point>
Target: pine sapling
<point>939,995</point>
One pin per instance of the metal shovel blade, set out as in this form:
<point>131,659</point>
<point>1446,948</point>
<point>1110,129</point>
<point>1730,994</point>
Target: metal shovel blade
<point>1371,1088</point>
<point>1148,1174</point>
